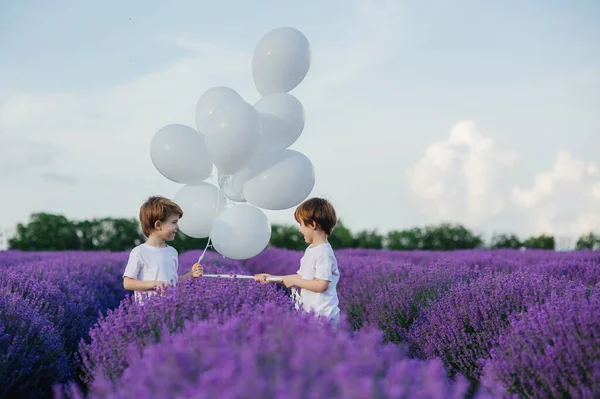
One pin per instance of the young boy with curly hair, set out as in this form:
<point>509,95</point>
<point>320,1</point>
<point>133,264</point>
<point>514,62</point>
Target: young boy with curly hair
<point>153,264</point>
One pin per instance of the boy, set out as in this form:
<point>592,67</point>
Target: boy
<point>318,275</point>
<point>154,263</point>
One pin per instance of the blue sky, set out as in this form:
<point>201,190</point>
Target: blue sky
<point>518,81</point>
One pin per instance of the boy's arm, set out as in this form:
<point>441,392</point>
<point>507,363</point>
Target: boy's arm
<point>185,276</point>
<point>314,285</point>
<point>320,283</point>
<point>132,284</point>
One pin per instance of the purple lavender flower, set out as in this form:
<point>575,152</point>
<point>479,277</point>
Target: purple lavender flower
<point>275,261</point>
<point>270,352</point>
<point>406,292</point>
<point>552,350</point>
<point>464,325</point>
<point>47,299</point>
<point>132,324</point>
<point>33,354</point>
<point>455,306</point>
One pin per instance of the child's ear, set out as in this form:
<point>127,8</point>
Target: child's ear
<point>313,225</point>
<point>157,225</point>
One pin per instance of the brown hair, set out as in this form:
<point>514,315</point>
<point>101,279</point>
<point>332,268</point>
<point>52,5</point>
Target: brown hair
<point>155,209</point>
<point>317,210</point>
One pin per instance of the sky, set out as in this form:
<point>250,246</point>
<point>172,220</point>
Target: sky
<point>479,113</point>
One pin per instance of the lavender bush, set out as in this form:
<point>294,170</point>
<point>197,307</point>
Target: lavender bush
<point>275,261</point>
<point>90,279</point>
<point>581,266</point>
<point>271,352</point>
<point>552,350</point>
<point>47,299</point>
<point>399,301</point>
<point>132,324</point>
<point>33,354</point>
<point>65,291</point>
<point>456,310</point>
<point>464,325</point>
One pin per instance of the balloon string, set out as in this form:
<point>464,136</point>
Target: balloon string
<point>203,252</point>
<point>214,214</point>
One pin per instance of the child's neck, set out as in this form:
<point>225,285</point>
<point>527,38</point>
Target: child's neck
<point>318,240</point>
<point>155,241</point>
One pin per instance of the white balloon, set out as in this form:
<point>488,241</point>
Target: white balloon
<point>282,118</point>
<point>280,61</point>
<point>232,135</point>
<point>241,232</point>
<point>212,99</point>
<point>232,186</point>
<point>180,154</point>
<point>201,205</point>
<point>279,180</point>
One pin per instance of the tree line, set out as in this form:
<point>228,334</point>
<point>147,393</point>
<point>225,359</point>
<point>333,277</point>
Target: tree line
<point>51,232</point>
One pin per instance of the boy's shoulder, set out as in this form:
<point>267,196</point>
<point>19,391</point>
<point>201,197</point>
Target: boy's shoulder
<point>136,249</point>
<point>173,250</point>
<point>321,249</point>
<point>143,247</point>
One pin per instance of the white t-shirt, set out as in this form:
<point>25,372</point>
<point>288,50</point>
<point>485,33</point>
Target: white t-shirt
<point>320,262</point>
<point>152,263</point>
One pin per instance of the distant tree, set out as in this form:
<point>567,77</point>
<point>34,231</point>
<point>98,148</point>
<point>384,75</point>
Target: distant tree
<point>45,232</point>
<point>341,237</point>
<point>540,242</point>
<point>48,232</point>
<point>506,241</point>
<point>447,236</point>
<point>368,239</point>
<point>287,237</point>
<point>589,241</point>
<point>86,231</point>
<point>404,240</point>
<point>441,237</point>
<point>109,234</point>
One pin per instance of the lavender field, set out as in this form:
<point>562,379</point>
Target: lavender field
<point>482,324</point>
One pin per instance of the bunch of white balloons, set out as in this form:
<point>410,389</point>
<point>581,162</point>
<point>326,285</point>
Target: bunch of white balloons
<point>248,146</point>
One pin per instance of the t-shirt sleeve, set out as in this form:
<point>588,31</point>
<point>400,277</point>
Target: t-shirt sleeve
<point>176,259</point>
<point>324,268</point>
<point>133,267</point>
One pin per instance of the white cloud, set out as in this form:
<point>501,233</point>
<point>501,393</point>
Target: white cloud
<point>592,169</point>
<point>563,201</point>
<point>461,178</point>
<point>466,178</point>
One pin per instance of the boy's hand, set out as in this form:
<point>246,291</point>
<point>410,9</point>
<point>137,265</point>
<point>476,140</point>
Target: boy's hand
<point>197,270</point>
<point>262,278</point>
<point>289,281</point>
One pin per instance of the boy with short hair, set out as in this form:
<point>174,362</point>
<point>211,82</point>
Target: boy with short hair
<point>154,263</point>
<point>318,274</point>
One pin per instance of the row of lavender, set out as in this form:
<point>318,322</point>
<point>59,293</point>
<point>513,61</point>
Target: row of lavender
<point>487,315</point>
<point>48,303</point>
<point>526,323</point>
<point>499,318</point>
<point>238,339</point>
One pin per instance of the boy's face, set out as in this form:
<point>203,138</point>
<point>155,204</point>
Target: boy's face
<point>168,229</point>
<point>308,231</point>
